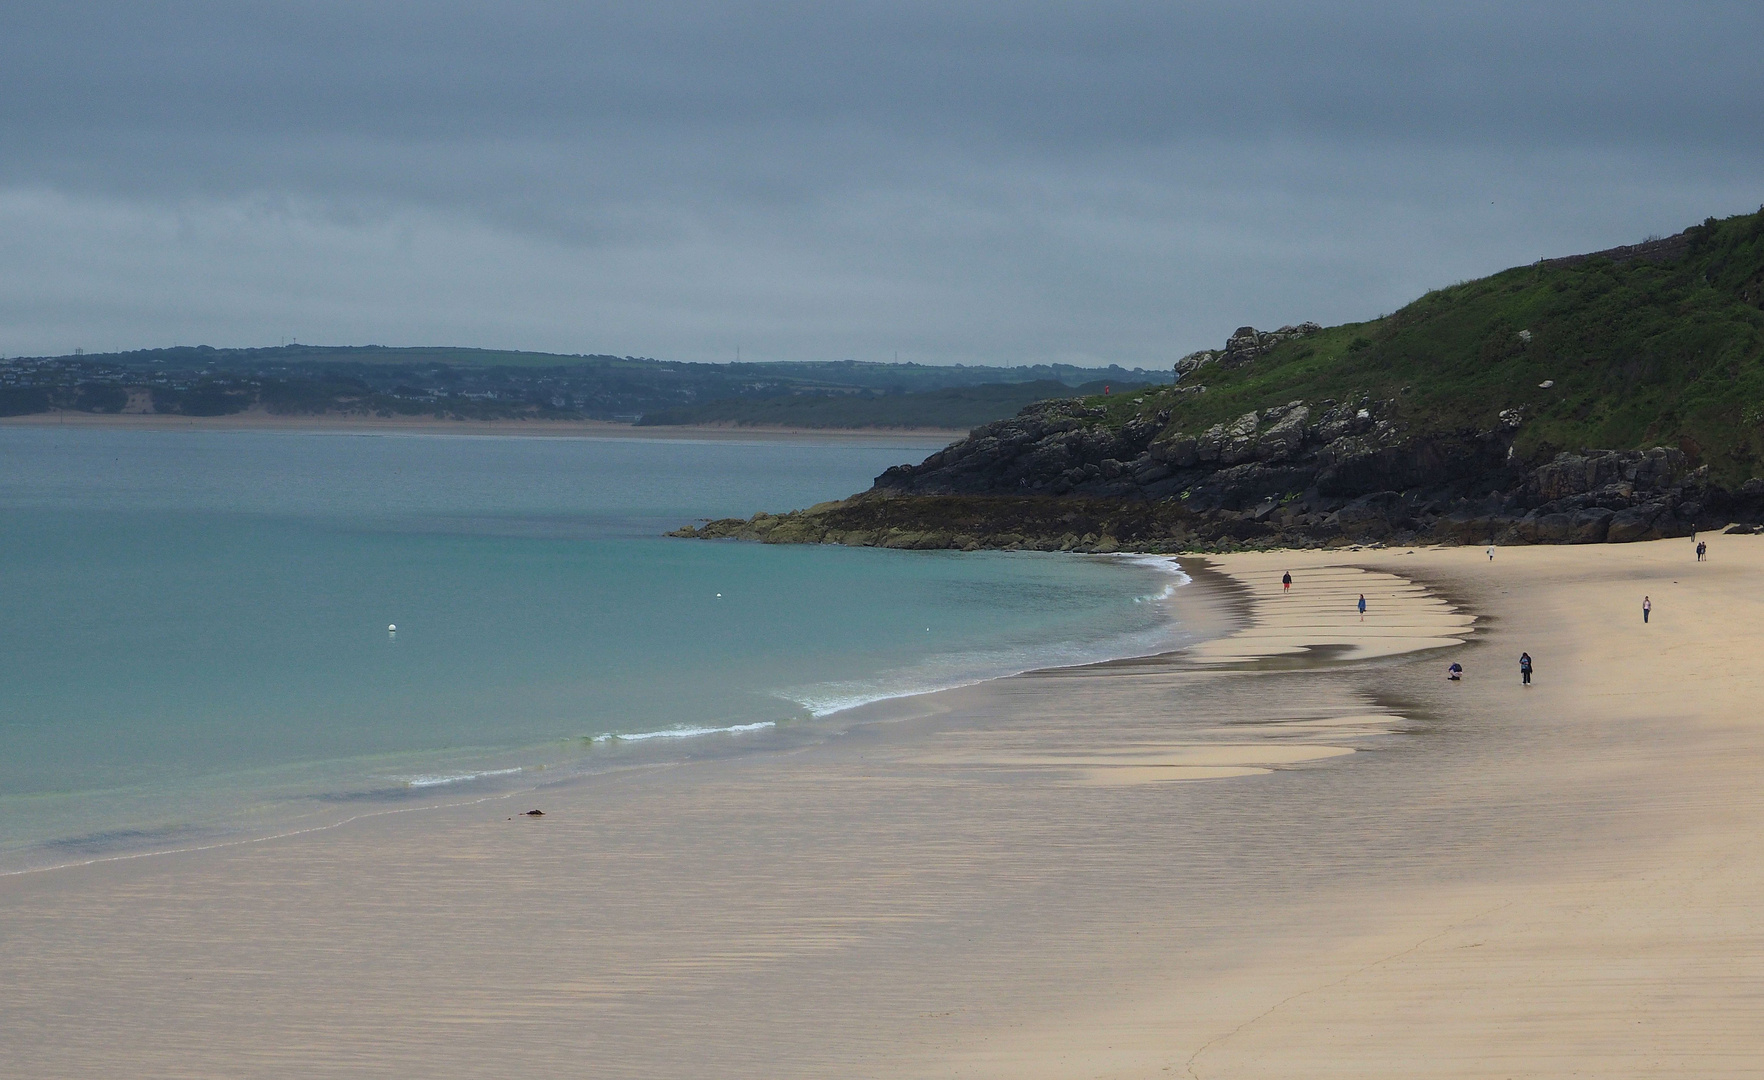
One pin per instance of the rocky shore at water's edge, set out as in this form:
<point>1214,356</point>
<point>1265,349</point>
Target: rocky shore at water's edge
<point>1303,474</point>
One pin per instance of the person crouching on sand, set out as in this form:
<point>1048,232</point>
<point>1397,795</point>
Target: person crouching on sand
<point>1525,668</point>
<point>1455,672</point>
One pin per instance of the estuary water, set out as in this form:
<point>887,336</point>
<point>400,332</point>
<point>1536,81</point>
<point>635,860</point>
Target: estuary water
<point>194,642</point>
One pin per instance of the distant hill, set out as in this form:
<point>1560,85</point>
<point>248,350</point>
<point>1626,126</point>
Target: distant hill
<point>955,408</point>
<point>865,374</point>
<point>1617,395</point>
<point>489,384</point>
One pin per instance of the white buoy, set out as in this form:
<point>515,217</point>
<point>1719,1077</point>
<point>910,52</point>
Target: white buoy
<point>719,596</point>
<point>391,628</point>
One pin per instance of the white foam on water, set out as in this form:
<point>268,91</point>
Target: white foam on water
<point>950,670</point>
<point>442,779</point>
<point>683,732</point>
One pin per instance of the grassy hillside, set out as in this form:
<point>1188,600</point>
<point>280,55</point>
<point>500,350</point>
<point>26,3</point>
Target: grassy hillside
<point>956,408</point>
<point>1660,344</point>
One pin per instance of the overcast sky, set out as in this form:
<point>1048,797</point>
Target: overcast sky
<point>959,182</point>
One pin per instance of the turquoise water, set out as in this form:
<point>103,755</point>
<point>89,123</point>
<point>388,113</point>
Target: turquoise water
<point>194,641</point>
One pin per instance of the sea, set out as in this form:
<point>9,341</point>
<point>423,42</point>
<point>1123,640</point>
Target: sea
<point>197,643</point>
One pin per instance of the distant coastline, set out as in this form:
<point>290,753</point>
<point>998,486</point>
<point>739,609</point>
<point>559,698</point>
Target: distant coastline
<point>262,420</point>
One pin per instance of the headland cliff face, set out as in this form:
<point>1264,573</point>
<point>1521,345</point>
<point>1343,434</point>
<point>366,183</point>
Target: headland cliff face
<point>1302,474</point>
<point>1604,398</point>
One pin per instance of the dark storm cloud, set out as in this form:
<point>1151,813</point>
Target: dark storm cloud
<point>962,181</point>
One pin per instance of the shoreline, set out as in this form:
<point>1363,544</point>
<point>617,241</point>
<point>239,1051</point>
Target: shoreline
<point>1195,617</point>
<point>332,423</point>
<point>1227,864</point>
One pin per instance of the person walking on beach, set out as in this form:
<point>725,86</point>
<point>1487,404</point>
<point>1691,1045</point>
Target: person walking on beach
<point>1525,668</point>
<point>1286,581</point>
<point>1647,606</point>
<point>1362,607</point>
<point>1702,551</point>
<point>1491,553</point>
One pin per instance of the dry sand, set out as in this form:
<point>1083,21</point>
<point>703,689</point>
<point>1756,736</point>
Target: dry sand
<point>1296,851</point>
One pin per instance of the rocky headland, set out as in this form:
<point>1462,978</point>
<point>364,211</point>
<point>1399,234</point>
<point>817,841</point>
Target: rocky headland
<point>1302,474</point>
<point>1434,425</point>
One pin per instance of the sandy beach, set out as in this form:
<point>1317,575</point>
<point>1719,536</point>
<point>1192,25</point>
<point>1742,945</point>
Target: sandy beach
<point>1292,850</point>
<point>258,419</point>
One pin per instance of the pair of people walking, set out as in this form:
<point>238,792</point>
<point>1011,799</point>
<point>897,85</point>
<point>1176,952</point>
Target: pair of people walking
<point>1286,586</point>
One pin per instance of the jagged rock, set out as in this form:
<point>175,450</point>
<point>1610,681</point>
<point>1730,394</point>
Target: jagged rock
<point>1590,526</point>
<point>1059,476</point>
<point>1244,345</point>
<point>1636,523</point>
<point>1537,528</point>
<point>1573,474</point>
<point>1149,471</point>
<point>1285,436</point>
<point>1238,443</point>
<point>1470,528</point>
<point>1370,516</point>
<point>1211,441</point>
<point>1581,527</point>
<point>1194,361</point>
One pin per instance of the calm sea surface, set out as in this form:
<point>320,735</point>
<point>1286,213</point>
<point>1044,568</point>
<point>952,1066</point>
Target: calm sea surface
<point>193,626</point>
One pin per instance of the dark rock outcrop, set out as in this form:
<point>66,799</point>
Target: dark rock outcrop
<point>1318,456</point>
<point>1303,474</point>
<point>1063,475</point>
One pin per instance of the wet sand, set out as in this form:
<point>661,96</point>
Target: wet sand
<point>1295,850</point>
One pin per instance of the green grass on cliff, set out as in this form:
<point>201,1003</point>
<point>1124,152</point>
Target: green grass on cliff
<point>1640,353</point>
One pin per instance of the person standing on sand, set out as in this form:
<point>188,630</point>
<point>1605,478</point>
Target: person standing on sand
<point>1647,606</point>
<point>1362,607</point>
<point>1525,668</point>
<point>1491,553</point>
<point>1286,581</point>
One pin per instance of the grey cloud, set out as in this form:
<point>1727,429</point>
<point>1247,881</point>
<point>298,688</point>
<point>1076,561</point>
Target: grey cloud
<point>962,181</point>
